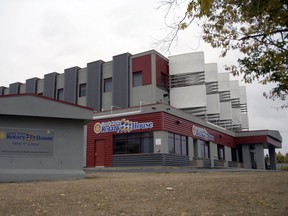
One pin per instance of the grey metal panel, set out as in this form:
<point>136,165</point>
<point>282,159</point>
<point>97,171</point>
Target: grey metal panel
<point>50,84</point>
<point>22,88</point>
<point>6,91</point>
<point>206,163</point>
<point>68,135</point>
<point>31,85</point>
<point>14,88</point>
<point>70,84</point>
<point>159,159</point>
<point>94,85</point>
<point>259,156</point>
<point>272,157</point>
<point>120,80</point>
<point>246,156</point>
<point>2,90</point>
<point>40,87</point>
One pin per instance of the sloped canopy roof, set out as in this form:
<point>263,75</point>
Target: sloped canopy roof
<point>40,106</point>
<point>267,137</point>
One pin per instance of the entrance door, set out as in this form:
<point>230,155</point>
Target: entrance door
<point>99,152</point>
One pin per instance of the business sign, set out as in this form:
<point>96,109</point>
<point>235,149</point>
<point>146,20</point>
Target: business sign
<point>26,142</point>
<point>121,126</point>
<point>202,133</point>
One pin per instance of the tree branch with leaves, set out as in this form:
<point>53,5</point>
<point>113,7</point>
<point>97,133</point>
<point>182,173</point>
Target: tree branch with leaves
<point>256,28</point>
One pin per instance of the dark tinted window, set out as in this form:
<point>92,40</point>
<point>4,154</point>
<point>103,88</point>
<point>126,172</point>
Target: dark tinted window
<point>82,90</point>
<point>137,79</point>
<point>108,85</point>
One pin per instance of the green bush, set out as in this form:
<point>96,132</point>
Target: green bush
<point>285,168</point>
<point>280,158</point>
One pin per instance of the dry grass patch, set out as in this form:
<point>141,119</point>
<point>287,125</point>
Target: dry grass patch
<point>219,193</point>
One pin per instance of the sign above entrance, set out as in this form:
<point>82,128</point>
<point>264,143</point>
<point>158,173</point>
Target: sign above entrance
<point>121,126</point>
<point>202,133</point>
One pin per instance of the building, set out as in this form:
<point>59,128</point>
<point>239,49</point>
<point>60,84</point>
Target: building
<point>41,138</point>
<point>207,101</point>
<point>158,134</point>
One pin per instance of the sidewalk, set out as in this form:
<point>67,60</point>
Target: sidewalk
<point>166,169</point>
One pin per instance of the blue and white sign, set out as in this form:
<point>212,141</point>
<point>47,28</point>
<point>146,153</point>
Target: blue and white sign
<point>202,133</point>
<point>121,126</point>
<point>26,142</point>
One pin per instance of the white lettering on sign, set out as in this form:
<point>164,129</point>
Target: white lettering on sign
<point>202,133</point>
<point>121,126</point>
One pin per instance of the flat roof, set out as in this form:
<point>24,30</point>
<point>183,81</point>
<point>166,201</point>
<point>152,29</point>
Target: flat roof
<point>41,106</point>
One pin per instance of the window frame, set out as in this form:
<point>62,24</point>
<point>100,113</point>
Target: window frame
<point>108,85</point>
<point>164,78</point>
<point>205,149</point>
<point>128,139</point>
<point>60,94</point>
<point>176,143</point>
<point>134,76</point>
<point>82,92</point>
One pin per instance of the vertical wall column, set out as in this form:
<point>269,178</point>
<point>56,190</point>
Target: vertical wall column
<point>272,157</point>
<point>196,145</point>
<point>190,148</point>
<point>14,88</point>
<point>50,84</point>
<point>228,154</point>
<point>94,85</point>
<point>2,90</point>
<point>162,139</point>
<point>246,156</point>
<point>70,84</point>
<point>121,70</point>
<point>31,85</point>
<point>259,154</point>
<point>213,152</point>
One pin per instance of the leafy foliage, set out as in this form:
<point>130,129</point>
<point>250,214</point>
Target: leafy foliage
<point>257,28</point>
<point>284,168</point>
<point>280,158</point>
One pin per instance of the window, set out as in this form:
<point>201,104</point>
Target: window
<point>163,80</point>
<point>82,90</point>
<point>60,94</point>
<point>221,153</point>
<point>134,143</point>
<point>137,79</point>
<point>205,150</point>
<point>177,144</point>
<point>108,85</point>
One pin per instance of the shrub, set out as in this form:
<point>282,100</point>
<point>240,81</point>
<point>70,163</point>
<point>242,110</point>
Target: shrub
<point>285,168</point>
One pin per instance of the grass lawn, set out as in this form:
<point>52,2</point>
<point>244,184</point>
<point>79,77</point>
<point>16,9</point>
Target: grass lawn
<point>203,193</point>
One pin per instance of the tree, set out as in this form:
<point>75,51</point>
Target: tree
<point>256,28</point>
<point>286,158</point>
<point>280,158</point>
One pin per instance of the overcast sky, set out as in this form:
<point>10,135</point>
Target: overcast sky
<point>43,36</point>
